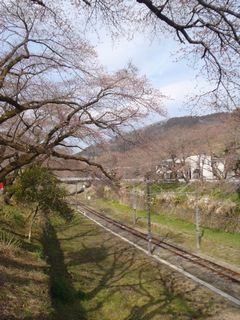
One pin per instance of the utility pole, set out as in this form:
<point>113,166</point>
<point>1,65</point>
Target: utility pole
<point>149,236</point>
<point>197,220</point>
<point>134,207</point>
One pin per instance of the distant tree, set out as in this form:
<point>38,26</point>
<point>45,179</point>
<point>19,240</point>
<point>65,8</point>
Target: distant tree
<point>39,188</point>
<point>222,143</point>
<point>225,164</point>
<point>176,145</point>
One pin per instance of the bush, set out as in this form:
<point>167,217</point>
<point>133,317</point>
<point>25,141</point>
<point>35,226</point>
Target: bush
<point>179,198</point>
<point>39,188</point>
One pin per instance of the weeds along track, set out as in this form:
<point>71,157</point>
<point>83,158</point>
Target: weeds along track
<point>220,270</point>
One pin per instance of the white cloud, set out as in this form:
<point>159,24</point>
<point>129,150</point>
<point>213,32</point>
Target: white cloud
<point>157,61</point>
<point>152,58</point>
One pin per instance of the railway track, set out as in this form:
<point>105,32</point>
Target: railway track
<point>220,270</point>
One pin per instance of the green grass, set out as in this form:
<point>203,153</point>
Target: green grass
<point>217,191</point>
<point>91,275</point>
<point>117,282</point>
<point>218,244</point>
<point>24,284</point>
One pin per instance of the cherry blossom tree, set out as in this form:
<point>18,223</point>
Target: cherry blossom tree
<point>207,33</point>
<point>55,98</point>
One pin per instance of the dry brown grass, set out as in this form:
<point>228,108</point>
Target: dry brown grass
<point>23,280</point>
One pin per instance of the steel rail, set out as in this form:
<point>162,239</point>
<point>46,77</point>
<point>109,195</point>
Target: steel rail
<point>210,265</point>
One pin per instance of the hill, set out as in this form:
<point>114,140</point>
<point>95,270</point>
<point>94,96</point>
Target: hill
<point>139,150</point>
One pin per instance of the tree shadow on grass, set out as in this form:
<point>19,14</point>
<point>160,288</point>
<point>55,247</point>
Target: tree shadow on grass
<point>66,301</point>
<point>21,284</point>
<point>13,317</point>
<point>169,301</point>
<point>115,273</point>
<point>9,262</point>
<point>115,276</point>
<point>79,235</point>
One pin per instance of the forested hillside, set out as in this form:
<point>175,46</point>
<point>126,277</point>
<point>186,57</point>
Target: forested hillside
<point>138,151</point>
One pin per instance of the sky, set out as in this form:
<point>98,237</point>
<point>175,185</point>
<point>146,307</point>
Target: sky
<point>157,60</point>
<point>154,57</point>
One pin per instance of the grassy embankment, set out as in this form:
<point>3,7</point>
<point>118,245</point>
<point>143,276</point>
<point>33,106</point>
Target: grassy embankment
<point>218,244</point>
<point>212,189</point>
<point>35,283</point>
<point>90,274</point>
<point>23,280</point>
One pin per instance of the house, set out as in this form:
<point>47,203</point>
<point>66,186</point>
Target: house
<point>194,167</point>
<point>200,167</point>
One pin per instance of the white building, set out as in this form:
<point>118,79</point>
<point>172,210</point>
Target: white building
<point>194,167</point>
<point>201,166</point>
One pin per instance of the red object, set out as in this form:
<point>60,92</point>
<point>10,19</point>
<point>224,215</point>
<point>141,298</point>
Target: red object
<point>1,185</point>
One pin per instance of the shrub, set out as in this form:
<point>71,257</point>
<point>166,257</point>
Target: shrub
<point>179,198</point>
<point>39,188</point>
